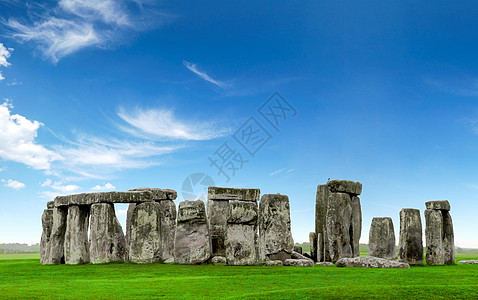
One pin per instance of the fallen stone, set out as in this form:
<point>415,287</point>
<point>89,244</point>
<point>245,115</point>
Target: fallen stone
<point>242,212</point>
<point>307,254</point>
<point>299,262</point>
<point>57,237</point>
<point>47,224</point>
<point>345,186</point>
<point>273,263</point>
<point>469,262</point>
<point>410,249</point>
<point>218,260</point>
<point>324,264</point>
<point>168,227</point>
<point>298,249</point>
<point>382,238</point>
<point>145,235</point>
<point>438,205</point>
<point>434,237</point>
<point>217,211</point>
<point>107,241</point>
<point>158,194</point>
<point>169,260</point>
<point>223,193</point>
<point>76,235</point>
<point>371,262</point>
<point>191,210</point>
<point>321,203</point>
<point>297,255</point>
<point>104,197</point>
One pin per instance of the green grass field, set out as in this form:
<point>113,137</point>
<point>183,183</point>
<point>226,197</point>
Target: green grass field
<point>22,276</point>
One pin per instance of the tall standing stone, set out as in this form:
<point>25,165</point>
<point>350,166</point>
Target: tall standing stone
<point>313,244</point>
<point>275,237</point>
<point>339,219</point>
<point>76,235</point>
<point>192,242</point>
<point>381,241</point>
<point>241,233</point>
<point>129,215</point>
<point>145,233</point>
<point>410,248</point>
<point>57,237</point>
<point>168,227</point>
<point>321,203</point>
<point>47,224</point>
<point>439,233</point>
<point>107,241</point>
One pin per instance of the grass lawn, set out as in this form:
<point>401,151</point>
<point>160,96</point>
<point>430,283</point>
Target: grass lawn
<point>22,276</point>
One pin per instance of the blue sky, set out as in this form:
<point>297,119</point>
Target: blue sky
<point>146,93</point>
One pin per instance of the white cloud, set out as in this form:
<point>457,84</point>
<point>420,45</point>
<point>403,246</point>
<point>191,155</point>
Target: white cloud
<point>107,11</point>
<point>59,187</point>
<point>16,185</point>
<point>162,124</point>
<point>5,53</point>
<point>107,187</point>
<point>17,140</point>
<point>281,171</point>
<point>193,68</point>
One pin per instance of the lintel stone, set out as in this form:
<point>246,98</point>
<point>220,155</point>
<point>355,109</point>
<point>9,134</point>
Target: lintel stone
<point>104,197</point>
<point>225,193</point>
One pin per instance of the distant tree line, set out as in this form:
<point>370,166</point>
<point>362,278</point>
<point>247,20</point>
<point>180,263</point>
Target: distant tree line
<point>19,248</point>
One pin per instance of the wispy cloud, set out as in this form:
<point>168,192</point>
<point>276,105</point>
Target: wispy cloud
<point>283,170</point>
<point>193,68</point>
<point>58,186</point>
<point>5,53</point>
<point>16,185</point>
<point>107,187</point>
<point>160,124</point>
<point>107,11</point>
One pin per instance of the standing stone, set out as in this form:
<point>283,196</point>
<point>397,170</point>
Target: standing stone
<point>57,237</point>
<point>168,227</point>
<point>145,235</point>
<point>321,203</point>
<point>313,245</point>
<point>76,235</point>
<point>356,225</point>
<point>107,241</point>
<point>275,237</point>
<point>449,239</point>
<point>241,233</point>
<point>381,241</point>
<point>439,233</point>
<point>410,248</point>
<point>339,222</point>
<point>47,224</point>
<point>129,215</point>
<point>192,242</point>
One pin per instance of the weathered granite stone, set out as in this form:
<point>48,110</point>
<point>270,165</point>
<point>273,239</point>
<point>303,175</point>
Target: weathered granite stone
<point>321,203</point>
<point>298,249</point>
<point>345,186</point>
<point>158,194</point>
<point>469,262</point>
<point>434,237</point>
<point>104,197</point>
<point>299,262</point>
<point>168,227</point>
<point>356,229</point>
<point>371,262</point>
<point>313,245</point>
<point>339,226</point>
<point>50,204</point>
<point>47,224</point>
<point>274,226</point>
<point>324,264</point>
<point>222,193</point>
<point>273,263</point>
<point>145,235</point>
<point>76,235</point>
<point>241,240</point>
<point>218,260</point>
<point>57,237</point>
<point>381,241</point>
<point>242,212</point>
<point>438,205</point>
<point>448,238</point>
<point>217,211</point>
<point>192,243</point>
<point>129,215</point>
<point>107,241</point>
<point>410,249</point>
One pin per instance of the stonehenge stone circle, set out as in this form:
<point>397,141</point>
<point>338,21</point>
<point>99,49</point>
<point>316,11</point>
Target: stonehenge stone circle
<point>371,262</point>
<point>338,220</point>
<point>47,224</point>
<point>76,235</point>
<point>439,233</point>
<point>145,235</point>
<point>381,241</point>
<point>275,237</point>
<point>410,246</point>
<point>192,241</point>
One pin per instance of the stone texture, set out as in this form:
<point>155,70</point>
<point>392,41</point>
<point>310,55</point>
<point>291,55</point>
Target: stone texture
<point>129,215</point>
<point>47,224</point>
<point>434,237</point>
<point>223,193</point>
<point>324,264</point>
<point>218,260</point>
<point>57,237</point>
<point>274,226</point>
<point>104,197</point>
<point>371,262</point>
<point>241,241</point>
<point>192,243</point>
<point>345,186</point>
<point>410,249</point>
<point>273,263</point>
<point>339,226</point>
<point>438,205</point>
<point>448,239</point>
<point>217,211</point>
<point>50,204</point>
<point>381,241</point>
<point>469,262</point>
<point>145,235</point>
<point>297,249</point>
<point>107,241</point>
<point>76,235</point>
<point>313,245</point>
<point>356,225</point>
<point>297,255</point>
<point>321,203</point>
<point>158,194</point>
<point>168,227</point>
<point>242,212</point>
<point>299,262</point>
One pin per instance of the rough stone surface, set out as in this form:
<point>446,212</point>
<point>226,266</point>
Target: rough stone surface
<point>273,263</point>
<point>410,248</point>
<point>168,227</point>
<point>129,215</point>
<point>321,203</point>
<point>217,211</point>
<point>339,226</point>
<point>50,204</point>
<point>57,237</point>
<point>242,212</point>
<point>438,205</point>
<point>434,237</point>
<point>381,241</point>
<point>324,264</point>
<point>218,260</point>
<point>107,241</point>
<point>192,243</point>
<point>470,262</point>
<point>223,193</point>
<point>47,224</point>
<point>313,245</point>
<point>371,262</point>
<point>274,225</point>
<point>356,226</point>
<point>158,194</point>
<point>241,241</point>
<point>297,255</point>
<point>345,186</point>
<point>448,239</point>
<point>104,197</point>
<point>299,262</point>
<point>76,235</point>
<point>145,235</point>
